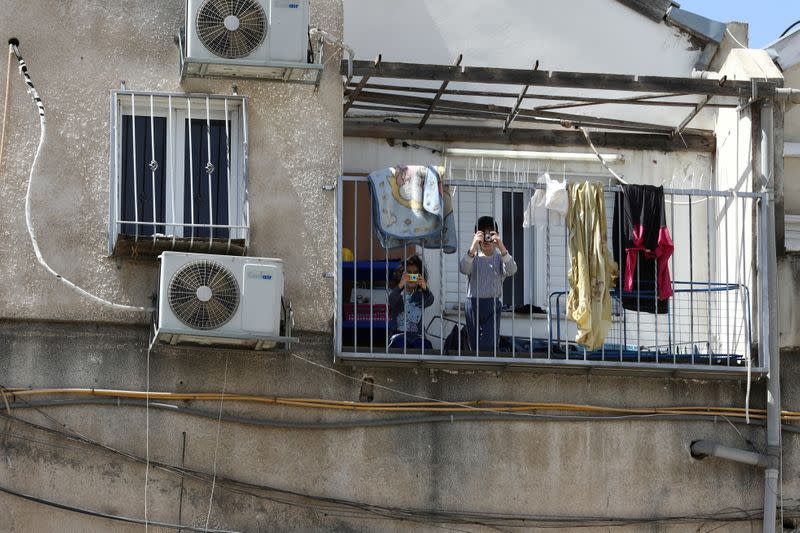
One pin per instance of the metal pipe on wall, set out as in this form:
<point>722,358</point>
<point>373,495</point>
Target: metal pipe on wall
<point>701,449</point>
<point>768,346</point>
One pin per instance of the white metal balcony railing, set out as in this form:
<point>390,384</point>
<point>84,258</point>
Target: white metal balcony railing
<point>706,328</point>
<point>178,172</point>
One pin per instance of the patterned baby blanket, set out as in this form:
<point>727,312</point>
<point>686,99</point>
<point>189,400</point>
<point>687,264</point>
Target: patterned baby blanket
<point>411,205</point>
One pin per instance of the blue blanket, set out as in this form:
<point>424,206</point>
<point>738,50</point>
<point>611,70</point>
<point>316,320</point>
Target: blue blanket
<point>410,205</point>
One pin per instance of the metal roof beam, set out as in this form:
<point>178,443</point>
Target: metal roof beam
<point>513,114</point>
<point>547,137</point>
<point>361,83</point>
<point>503,111</point>
<point>439,94</point>
<point>578,80</point>
<point>572,101</point>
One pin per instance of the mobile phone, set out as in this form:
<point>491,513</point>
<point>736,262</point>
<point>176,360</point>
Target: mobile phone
<point>413,277</point>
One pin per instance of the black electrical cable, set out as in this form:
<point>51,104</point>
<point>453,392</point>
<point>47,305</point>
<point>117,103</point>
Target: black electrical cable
<point>335,506</point>
<point>387,422</point>
<point>89,512</point>
<point>789,28</point>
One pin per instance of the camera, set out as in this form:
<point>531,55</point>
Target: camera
<point>413,277</point>
<point>488,237</point>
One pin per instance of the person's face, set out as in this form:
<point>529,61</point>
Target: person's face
<point>411,269</point>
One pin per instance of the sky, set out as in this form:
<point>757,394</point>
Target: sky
<point>767,18</point>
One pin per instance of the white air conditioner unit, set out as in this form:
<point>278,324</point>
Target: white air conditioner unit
<point>246,38</point>
<point>217,300</point>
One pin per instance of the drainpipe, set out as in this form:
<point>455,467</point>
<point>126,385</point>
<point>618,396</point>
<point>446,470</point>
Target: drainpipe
<point>767,332</point>
<point>704,448</point>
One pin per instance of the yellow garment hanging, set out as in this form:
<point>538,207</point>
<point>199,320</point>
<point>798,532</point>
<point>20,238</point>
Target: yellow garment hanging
<point>593,271</point>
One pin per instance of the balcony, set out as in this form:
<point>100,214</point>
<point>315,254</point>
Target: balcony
<point>706,328</point>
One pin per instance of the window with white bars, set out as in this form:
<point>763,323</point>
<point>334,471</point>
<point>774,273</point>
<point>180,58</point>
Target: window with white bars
<point>178,173</point>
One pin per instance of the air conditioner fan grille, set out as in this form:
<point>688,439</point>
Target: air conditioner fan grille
<point>203,294</point>
<point>231,28</point>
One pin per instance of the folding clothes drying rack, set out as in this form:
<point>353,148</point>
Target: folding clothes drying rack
<point>706,324</point>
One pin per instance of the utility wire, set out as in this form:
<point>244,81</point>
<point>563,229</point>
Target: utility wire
<point>431,516</point>
<point>396,421</point>
<point>23,69</point>
<point>98,514</point>
<point>216,444</point>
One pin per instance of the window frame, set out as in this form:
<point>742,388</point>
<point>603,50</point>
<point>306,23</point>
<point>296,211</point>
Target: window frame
<point>175,108</point>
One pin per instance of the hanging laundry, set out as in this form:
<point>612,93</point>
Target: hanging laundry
<point>592,273</point>
<point>555,198</point>
<point>410,205</point>
<point>551,198</point>
<point>642,247</point>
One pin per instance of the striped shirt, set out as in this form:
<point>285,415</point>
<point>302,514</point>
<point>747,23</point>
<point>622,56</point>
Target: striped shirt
<point>485,274</point>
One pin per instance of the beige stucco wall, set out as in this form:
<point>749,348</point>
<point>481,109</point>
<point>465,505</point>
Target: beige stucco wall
<point>791,130</point>
<point>77,53</point>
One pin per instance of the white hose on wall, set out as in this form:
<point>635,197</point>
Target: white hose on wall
<point>23,69</point>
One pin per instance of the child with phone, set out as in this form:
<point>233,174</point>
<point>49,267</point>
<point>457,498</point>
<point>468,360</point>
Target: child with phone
<point>407,302</point>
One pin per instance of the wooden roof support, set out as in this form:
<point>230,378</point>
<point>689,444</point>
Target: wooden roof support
<point>439,94</point>
<point>574,101</point>
<point>361,83</point>
<point>549,137</point>
<point>691,115</point>
<point>513,114</point>
<point>503,111</point>
<point>685,122</point>
<point>578,80</point>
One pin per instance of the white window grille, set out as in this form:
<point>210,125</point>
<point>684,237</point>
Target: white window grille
<point>178,168</point>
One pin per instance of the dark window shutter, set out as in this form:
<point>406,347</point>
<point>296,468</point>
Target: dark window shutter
<point>138,194</point>
<point>514,239</point>
<point>205,195</point>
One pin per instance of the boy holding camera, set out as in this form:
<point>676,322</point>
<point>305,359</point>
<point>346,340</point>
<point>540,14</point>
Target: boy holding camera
<point>486,264</point>
<point>407,302</point>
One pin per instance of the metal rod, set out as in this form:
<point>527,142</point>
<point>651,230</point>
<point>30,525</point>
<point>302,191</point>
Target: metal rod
<point>362,82</point>
<point>572,100</point>
<point>459,292</point>
<point>242,164</point>
<point>172,179</point>
<point>691,276</point>
<point>671,312</point>
<point>153,166</point>
<point>708,277</point>
<point>355,266</point>
<point>231,201</point>
<point>116,148</point>
<point>371,274</point>
<point>768,335</point>
<point>209,172</point>
<point>191,171</point>
<point>338,309</point>
<point>184,224</point>
<point>579,80</point>
<point>135,180</point>
<point>438,96</point>
<point>693,114</point>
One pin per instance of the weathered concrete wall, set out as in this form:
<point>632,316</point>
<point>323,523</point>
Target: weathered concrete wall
<point>77,53</point>
<point>788,296</point>
<point>612,468</point>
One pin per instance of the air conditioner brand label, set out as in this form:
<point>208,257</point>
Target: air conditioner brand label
<point>258,275</point>
<point>287,5</point>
